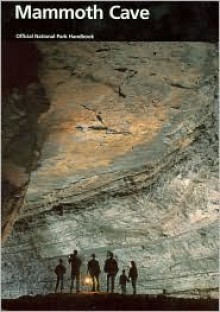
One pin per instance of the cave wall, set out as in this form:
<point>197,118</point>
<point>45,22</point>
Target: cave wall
<point>23,101</point>
<point>171,231</point>
<point>129,163</point>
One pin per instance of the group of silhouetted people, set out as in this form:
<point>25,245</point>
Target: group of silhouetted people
<point>93,269</point>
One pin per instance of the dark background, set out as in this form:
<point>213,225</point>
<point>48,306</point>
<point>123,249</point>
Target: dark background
<point>169,21</point>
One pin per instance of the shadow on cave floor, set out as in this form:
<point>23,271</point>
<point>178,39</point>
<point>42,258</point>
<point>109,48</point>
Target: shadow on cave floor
<point>106,302</point>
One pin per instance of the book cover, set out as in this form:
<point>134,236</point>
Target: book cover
<point>110,195</point>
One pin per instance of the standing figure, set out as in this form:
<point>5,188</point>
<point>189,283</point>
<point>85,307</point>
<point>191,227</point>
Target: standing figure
<point>123,281</point>
<point>94,271</point>
<point>75,263</point>
<point>133,275</point>
<point>111,268</point>
<point>60,270</point>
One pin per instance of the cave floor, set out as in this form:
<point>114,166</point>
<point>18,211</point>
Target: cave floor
<point>106,302</point>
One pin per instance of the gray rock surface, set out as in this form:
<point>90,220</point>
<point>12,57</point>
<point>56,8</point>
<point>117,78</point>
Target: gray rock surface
<point>129,164</point>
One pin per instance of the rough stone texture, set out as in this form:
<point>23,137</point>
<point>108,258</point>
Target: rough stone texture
<point>117,110</point>
<point>129,164</point>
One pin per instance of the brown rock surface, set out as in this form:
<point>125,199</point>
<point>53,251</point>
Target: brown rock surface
<point>117,109</point>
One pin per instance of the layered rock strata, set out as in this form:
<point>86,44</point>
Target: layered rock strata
<point>129,163</point>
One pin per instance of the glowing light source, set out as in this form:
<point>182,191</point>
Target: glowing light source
<point>87,281</point>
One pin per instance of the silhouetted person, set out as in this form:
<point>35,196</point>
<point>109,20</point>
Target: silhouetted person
<point>133,275</point>
<point>94,271</point>
<point>111,268</point>
<point>123,281</point>
<point>75,263</point>
<point>60,270</point>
